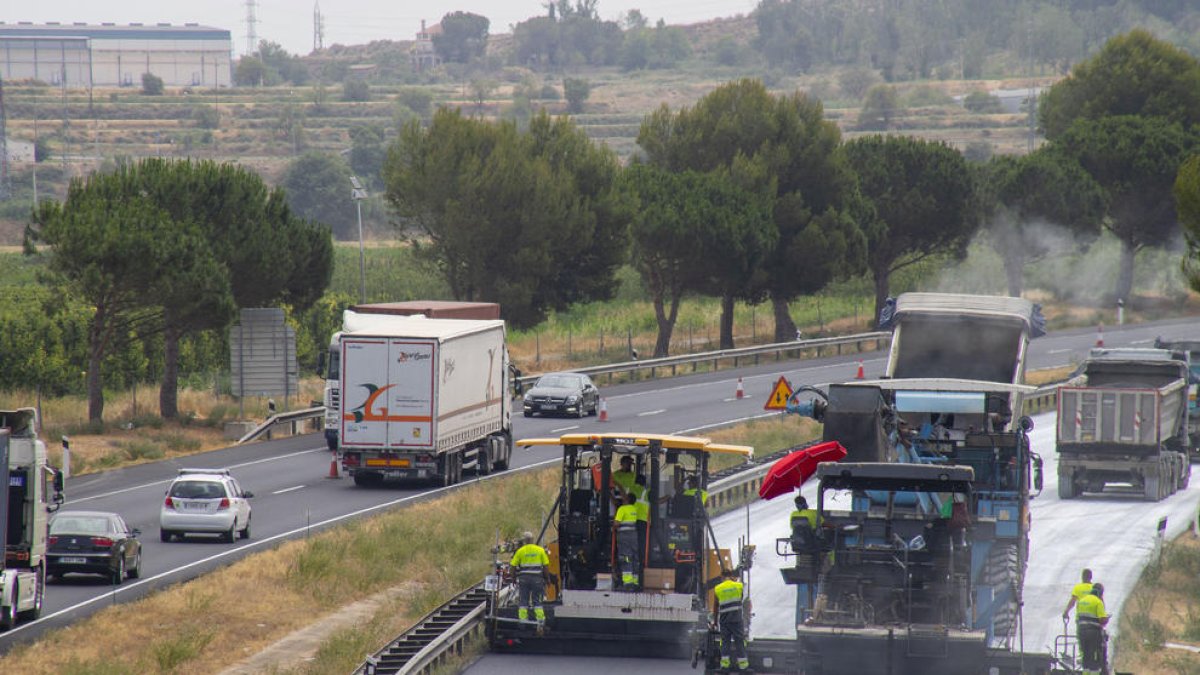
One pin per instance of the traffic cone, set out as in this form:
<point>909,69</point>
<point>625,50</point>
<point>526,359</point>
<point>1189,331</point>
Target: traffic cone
<point>859,375</point>
<point>603,411</point>
<point>741,391</point>
<point>1100,334</point>
<point>333,467</point>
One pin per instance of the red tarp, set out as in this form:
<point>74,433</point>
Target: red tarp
<point>790,471</point>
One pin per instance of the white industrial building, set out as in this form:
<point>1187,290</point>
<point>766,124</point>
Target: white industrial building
<point>109,55</point>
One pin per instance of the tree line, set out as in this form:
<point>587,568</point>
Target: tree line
<point>746,195</point>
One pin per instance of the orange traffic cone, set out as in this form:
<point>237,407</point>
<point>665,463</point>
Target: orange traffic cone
<point>741,391</point>
<point>333,467</point>
<point>603,411</point>
<point>1100,334</point>
<point>859,375</point>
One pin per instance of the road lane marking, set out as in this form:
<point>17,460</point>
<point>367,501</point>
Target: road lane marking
<point>1058,351</point>
<point>562,429</point>
<point>648,413</point>
<point>294,487</point>
<point>734,398</point>
<point>1142,342</point>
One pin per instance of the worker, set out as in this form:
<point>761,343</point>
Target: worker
<point>1080,590</point>
<point>728,599</point>
<point>806,544</point>
<point>625,523</point>
<point>533,572</point>
<point>1090,620</point>
<point>624,477</point>
<point>693,489</point>
<point>802,511</point>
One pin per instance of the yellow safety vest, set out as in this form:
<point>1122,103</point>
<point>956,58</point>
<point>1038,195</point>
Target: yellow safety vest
<point>691,492</point>
<point>808,514</point>
<point>643,502</point>
<point>1081,589</point>
<point>1090,609</point>
<point>627,517</point>
<point>530,558</point>
<point>624,479</point>
<point>729,596</point>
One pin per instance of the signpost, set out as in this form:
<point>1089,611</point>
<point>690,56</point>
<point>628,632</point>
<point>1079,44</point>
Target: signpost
<point>779,395</point>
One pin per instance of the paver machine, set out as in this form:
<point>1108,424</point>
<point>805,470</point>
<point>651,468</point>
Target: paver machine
<point>678,559</point>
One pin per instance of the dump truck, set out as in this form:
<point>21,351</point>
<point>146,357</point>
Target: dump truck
<point>952,402</point>
<point>422,398</point>
<point>678,559</point>
<point>379,318</point>
<point>1190,349</point>
<point>1123,420</point>
<point>30,490</point>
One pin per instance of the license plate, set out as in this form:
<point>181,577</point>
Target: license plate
<point>73,561</point>
<point>549,407</point>
<point>197,507</point>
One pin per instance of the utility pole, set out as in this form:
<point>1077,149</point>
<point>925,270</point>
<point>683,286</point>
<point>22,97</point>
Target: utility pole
<point>5,183</point>
<point>251,27</point>
<point>318,28</point>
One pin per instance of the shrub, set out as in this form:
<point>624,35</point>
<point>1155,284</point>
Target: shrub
<point>417,100</point>
<point>152,85</point>
<point>206,117</point>
<point>983,103</point>
<point>577,92</point>
<point>356,90</point>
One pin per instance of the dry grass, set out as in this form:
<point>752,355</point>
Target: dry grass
<point>1163,607</point>
<point>1044,376</point>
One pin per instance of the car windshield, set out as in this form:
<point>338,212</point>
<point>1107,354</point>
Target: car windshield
<point>195,489</point>
<point>79,524</point>
<point>559,381</point>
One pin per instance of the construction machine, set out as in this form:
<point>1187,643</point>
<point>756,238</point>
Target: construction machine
<point>587,608</point>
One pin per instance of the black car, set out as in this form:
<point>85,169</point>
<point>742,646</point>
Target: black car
<point>562,393</point>
<point>93,542</point>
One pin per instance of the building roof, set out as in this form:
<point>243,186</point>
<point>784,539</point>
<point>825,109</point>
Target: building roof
<point>111,31</point>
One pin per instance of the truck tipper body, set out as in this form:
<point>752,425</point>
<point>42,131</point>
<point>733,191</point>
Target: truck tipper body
<point>29,491</point>
<point>1123,420</point>
<point>379,318</point>
<point>423,398</point>
<point>1190,349</point>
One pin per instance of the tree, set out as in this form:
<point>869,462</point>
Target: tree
<point>1136,161</point>
<point>252,72</point>
<point>286,66</point>
<point>878,108</point>
<point>417,99</point>
<point>463,37</point>
<point>367,151</point>
<point>317,185</point>
<point>531,220</point>
<point>481,91</point>
<point>693,232</point>
<point>855,82</point>
<point>983,103</point>
<point>356,90</point>
<point>576,92</point>
<point>921,195</point>
<point>1187,205</point>
<point>152,85</point>
<point>1037,205</point>
<point>785,147</point>
<point>123,257</point>
<point>1134,74</point>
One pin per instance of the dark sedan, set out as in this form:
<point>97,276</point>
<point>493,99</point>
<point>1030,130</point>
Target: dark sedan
<point>562,394</point>
<point>93,542</point>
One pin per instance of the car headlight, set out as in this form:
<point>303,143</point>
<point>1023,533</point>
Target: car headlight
<point>526,398</point>
<point>572,399</point>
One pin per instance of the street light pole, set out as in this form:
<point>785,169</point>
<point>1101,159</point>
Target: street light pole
<point>358,193</point>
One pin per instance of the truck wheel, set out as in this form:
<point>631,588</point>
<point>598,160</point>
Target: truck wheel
<point>8,612</point>
<point>36,611</point>
<point>1152,491</point>
<point>503,453</point>
<point>1066,486</point>
<point>483,457</point>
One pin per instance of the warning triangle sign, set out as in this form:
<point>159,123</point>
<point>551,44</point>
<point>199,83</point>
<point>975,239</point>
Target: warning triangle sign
<point>779,395</point>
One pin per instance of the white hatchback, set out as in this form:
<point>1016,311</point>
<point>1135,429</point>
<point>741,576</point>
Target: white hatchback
<point>205,501</point>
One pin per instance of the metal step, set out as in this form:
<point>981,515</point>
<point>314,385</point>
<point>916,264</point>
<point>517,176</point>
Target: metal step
<point>392,658</point>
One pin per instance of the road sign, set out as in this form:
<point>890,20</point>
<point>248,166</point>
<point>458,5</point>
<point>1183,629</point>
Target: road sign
<point>779,395</point>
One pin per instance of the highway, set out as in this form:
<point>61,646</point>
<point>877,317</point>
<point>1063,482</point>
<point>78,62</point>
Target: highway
<point>293,496</point>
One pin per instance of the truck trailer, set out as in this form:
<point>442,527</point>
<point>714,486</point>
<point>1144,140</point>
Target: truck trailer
<point>1190,349</point>
<point>422,398</point>
<point>379,318</point>
<point>1123,420</point>
<point>30,490</point>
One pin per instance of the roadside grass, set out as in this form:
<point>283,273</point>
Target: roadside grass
<point>1163,607</point>
<point>431,549</point>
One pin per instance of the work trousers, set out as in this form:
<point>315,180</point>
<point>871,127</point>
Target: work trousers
<point>627,555</point>
<point>530,589</point>
<point>733,639</point>
<point>1091,646</point>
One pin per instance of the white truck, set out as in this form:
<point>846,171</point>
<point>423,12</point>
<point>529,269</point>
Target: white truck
<point>423,398</point>
<point>30,490</point>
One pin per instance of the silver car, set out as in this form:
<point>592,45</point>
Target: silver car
<point>205,501</point>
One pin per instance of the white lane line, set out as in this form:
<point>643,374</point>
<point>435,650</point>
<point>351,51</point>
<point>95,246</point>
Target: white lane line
<point>734,398</point>
<point>168,480</point>
<point>294,487</point>
<point>1142,342</point>
<point>561,429</point>
<point>1057,351</point>
<point>648,413</point>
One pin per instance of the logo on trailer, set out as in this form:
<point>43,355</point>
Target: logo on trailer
<point>367,410</point>
<point>405,357</point>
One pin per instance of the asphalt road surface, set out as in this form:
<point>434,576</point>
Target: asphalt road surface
<point>293,497</point>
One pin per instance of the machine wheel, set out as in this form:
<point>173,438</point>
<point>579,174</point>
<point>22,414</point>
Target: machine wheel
<point>33,614</point>
<point>1003,570</point>
<point>1066,487</point>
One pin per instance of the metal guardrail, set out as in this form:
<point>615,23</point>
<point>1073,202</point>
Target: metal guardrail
<point>715,357</point>
<point>293,417</point>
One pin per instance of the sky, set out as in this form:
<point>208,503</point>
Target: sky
<point>290,22</point>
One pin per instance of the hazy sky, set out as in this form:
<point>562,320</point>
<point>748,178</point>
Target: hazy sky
<point>290,22</point>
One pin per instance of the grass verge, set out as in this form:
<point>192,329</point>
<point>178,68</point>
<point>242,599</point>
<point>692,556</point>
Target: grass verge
<point>1163,607</point>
